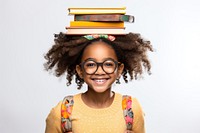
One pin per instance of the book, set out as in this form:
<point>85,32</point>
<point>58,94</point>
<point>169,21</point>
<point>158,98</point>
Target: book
<point>104,17</point>
<point>95,24</point>
<point>95,30</point>
<point>119,10</point>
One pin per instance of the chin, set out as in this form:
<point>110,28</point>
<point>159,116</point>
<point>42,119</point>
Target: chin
<point>100,89</point>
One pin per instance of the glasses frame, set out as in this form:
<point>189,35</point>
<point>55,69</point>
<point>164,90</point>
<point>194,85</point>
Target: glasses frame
<point>100,64</point>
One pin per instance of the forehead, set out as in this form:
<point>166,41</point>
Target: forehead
<point>99,51</point>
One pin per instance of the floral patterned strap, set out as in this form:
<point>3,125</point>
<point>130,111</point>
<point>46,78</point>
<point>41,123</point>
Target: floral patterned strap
<point>66,110</point>
<point>127,110</point>
<point>67,106</point>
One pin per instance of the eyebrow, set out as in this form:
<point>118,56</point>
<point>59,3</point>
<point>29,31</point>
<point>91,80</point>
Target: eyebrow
<point>96,60</point>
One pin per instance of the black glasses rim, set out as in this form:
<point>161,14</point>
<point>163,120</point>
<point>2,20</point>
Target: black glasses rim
<point>98,64</point>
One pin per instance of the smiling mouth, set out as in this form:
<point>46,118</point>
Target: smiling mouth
<point>100,81</point>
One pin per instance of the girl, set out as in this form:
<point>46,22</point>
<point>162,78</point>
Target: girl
<point>99,61</point>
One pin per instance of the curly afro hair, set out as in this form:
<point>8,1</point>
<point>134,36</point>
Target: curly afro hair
<point>131,50</point>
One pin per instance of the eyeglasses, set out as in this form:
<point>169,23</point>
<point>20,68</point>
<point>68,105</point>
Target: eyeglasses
<point>108,66</point>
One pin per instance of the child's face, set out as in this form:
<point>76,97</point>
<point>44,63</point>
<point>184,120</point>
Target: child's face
<point>99,78</point>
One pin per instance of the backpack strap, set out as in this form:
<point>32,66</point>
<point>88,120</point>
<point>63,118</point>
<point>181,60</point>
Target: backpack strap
<point>66,110</point>
<point>127,111</point>
<point>67,106</point>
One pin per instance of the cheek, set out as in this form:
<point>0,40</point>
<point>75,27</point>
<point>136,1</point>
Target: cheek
<point>114,75</point>
<point>85,76</point>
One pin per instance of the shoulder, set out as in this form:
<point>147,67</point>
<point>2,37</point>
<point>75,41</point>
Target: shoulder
<point>55,111</point>
<point>133,103</point>
<point>138,114</point>
<point>139,122</point>
<point>136,106</point>
<point>53,120</point>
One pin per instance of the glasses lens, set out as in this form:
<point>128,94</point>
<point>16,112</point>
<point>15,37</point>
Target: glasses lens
<point>90,67</point>
<point>109,66</point>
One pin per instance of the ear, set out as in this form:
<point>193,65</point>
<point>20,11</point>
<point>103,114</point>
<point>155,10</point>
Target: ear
<point>79,71</point>
<point>120,69</point>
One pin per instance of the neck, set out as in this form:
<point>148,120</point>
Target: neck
<point>98,100</point>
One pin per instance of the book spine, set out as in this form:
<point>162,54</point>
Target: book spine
<point>95,24</point>
<point>96,11</point>
<point>95,31</point>
<point>78,27</point>
<point>97,8</point>
<point>109,17</point>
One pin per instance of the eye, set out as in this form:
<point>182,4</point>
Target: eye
<point>90,64</point>
<point>109,64</point>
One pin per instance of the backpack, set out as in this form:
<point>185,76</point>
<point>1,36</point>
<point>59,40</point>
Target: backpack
<point>67,106</point>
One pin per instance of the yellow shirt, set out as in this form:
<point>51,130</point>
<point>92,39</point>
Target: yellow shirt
<point>90,120</point>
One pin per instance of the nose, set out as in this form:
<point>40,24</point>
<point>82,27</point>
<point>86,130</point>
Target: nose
<point>100,70</point>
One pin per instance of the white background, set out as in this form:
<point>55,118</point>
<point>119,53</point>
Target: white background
<point>170,97</point>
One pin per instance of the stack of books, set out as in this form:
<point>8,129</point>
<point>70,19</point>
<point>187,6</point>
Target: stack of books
<point>98,21</point>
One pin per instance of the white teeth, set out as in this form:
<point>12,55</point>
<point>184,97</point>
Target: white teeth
<point>99,80</point>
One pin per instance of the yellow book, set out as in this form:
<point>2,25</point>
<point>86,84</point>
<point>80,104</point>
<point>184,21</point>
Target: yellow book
<point>95,24</point>
<point>112,10</point>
